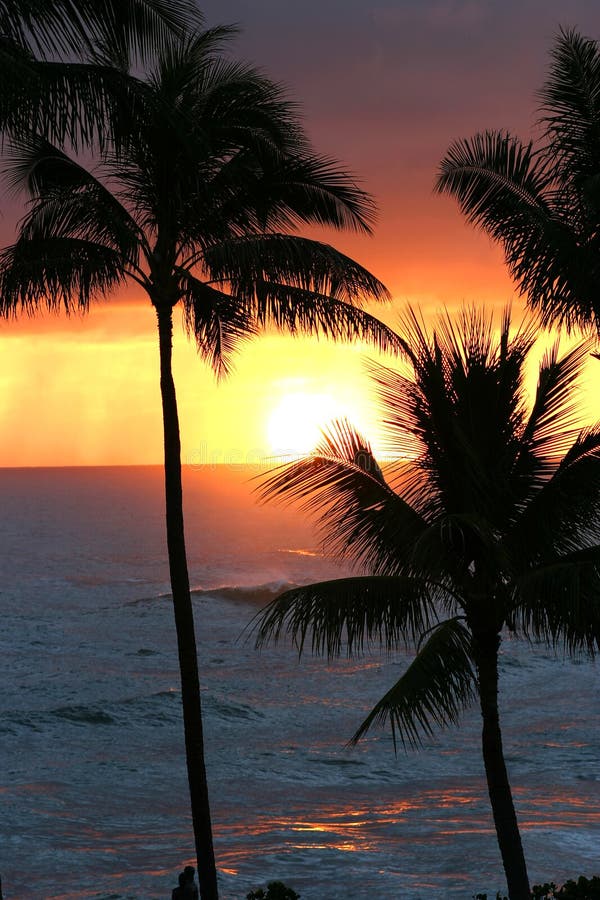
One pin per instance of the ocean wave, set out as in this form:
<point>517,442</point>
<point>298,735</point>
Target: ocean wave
<point>252,594</point>
<point>159,708</point>
<point>14,723</point>
<point>255,595</point>
<point>83,715</point>
<point>228,710</point>
<point>152,599</point>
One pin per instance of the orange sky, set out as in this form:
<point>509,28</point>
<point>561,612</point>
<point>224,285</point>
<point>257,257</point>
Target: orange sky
<point>385,88</point>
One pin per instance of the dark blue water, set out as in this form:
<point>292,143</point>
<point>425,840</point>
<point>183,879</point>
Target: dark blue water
<point>93,796</point>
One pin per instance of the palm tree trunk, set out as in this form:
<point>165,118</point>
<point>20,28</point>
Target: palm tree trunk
<point>184,618</point>
<point>505,817</point>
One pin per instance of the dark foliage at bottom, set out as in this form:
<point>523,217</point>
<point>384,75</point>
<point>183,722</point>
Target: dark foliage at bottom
<point>582,889</point>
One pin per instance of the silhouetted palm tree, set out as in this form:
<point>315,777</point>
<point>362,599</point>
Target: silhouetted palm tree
<point>489,519</point>
<point>203,168</point>
<point>543,203</point>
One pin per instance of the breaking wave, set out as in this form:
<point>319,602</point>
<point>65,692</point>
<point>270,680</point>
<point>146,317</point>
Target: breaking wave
<point>255,595</point>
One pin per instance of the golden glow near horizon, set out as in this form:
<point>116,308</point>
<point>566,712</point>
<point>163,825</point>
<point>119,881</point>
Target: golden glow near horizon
<point>86,392</point>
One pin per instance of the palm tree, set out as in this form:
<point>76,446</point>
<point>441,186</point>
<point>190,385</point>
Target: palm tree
<point>489,519</point>
<point>542,204</point>
<point>202,171</point>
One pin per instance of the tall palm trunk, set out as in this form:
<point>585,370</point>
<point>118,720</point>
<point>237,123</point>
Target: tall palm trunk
<point>184,618</point>
<point>505,818</point>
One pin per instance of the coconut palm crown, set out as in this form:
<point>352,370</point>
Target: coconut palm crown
<point>541,201</point>
<point>489,519</point>
<point>201,171</point>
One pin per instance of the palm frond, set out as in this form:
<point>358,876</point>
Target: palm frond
<point>55,273</point>
<point>498,182</point>
<point>398,401</point>
<point>571,108</point>
<point>71,26</point>
<point>557,268</point>
<point>559,601</point>
<point>562,515</point>
<point>349,613</point>
<point>136,28</point>
<point>552,423</point>
<point>342,485</point>
<point>248,261</point>
<point>217,322</point>
<point>70,202</point>
<point>436,687</point>
<point>46,27</point>
<point>299,311</point>
<point>303,188</point>
<point>36,166</point>
<point>88,104</point>
<point>65,66</point>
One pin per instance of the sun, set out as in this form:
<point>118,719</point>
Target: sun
<point>294,426</point>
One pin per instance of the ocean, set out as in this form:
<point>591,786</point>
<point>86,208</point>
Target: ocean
<point>93,794</point>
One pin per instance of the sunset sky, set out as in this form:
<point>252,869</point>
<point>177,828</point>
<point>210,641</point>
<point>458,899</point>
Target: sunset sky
<point>385,88</point>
